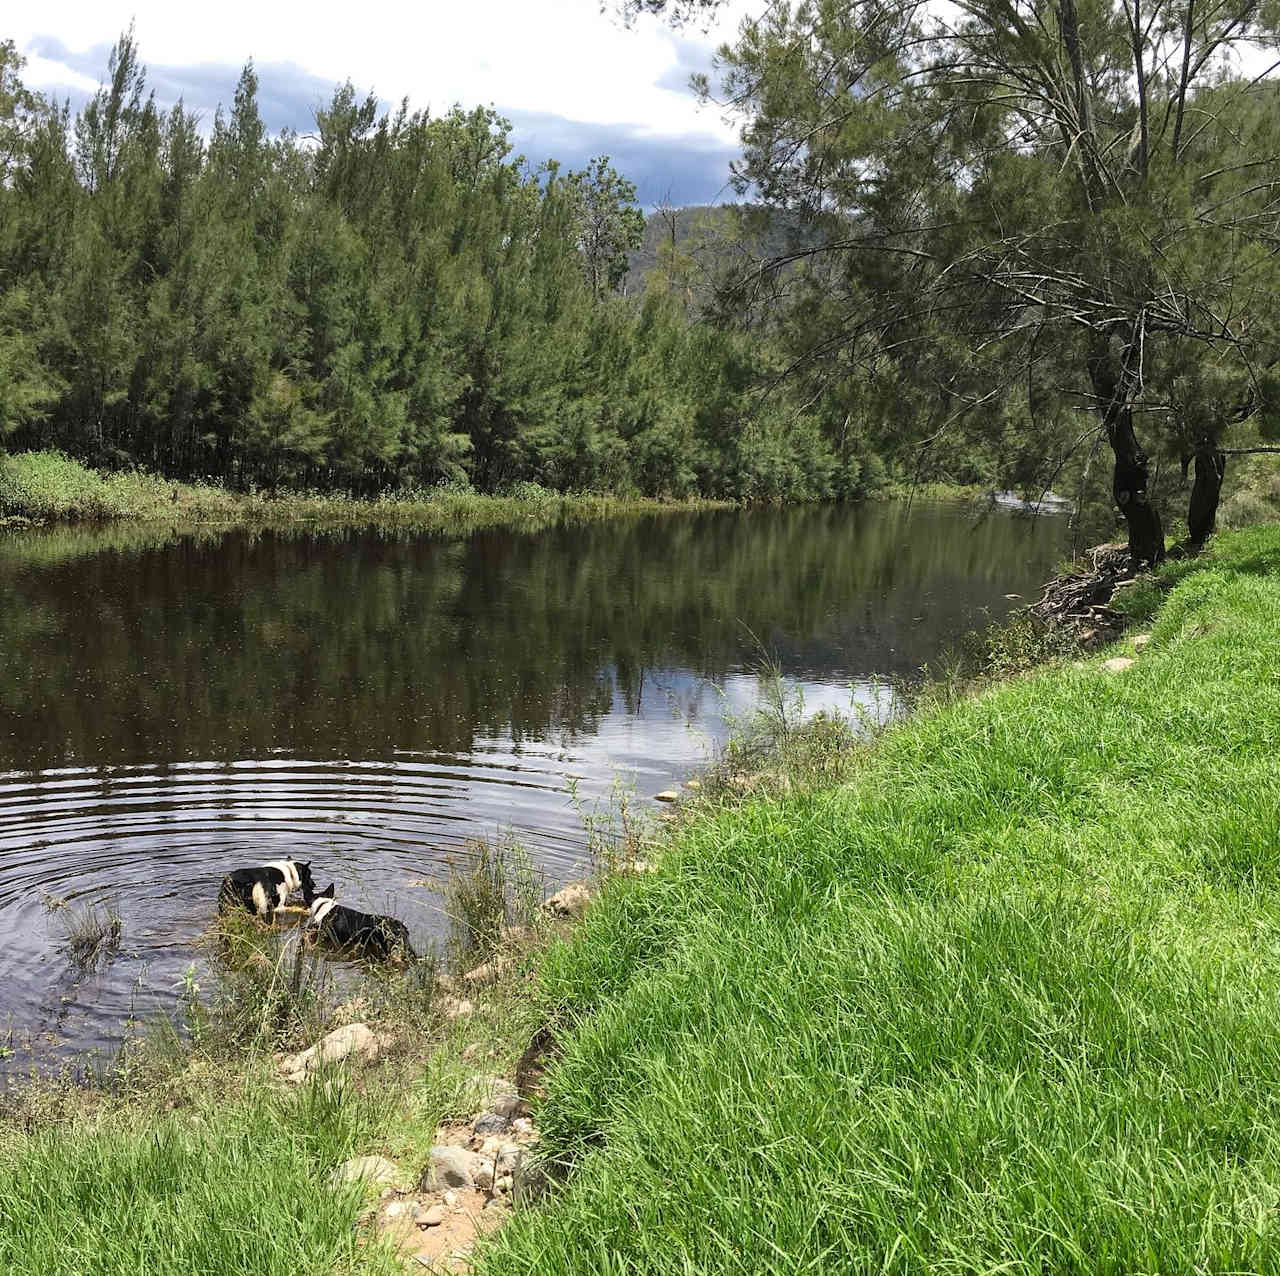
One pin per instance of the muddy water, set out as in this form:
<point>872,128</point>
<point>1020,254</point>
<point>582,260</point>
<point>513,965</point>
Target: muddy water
<point>173,706</point>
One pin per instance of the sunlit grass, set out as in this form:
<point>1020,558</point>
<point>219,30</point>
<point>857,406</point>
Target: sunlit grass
<point>48,487</point>
<point>1008,1000</point>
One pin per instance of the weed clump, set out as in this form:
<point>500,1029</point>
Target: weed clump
<point>88,934</point>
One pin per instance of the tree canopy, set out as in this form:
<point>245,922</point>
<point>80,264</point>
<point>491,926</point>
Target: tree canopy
<point>1033,210</point>
<point>396,299</point>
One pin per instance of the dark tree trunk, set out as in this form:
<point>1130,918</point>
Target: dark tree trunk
<point>1110,374</point>
<point>1202,511</point>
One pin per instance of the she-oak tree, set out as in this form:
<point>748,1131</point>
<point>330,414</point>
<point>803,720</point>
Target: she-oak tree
<point>1081,194</point>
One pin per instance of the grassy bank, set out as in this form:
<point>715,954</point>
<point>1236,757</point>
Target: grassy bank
<point>47,488</point>
<point>1007,1000</point>
<point>999,991</point>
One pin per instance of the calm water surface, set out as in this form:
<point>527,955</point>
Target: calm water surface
<point>175,706</point>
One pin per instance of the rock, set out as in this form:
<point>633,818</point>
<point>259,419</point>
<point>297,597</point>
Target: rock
<point>487,1093</point>
<point>489,971</point>
<point>1118,664</point>
<point>456,1007</point>
<point>1140,641</point>
<point>401,1209</point>
<point>376,1170</point>
<point>354,1040</point>
<point>506,1106</point>
<point>431,1217</point>
<point>495,1204</point>
<point>450,1199</point>
<point>491,1123</point>
<point>572,901</point>
<point>667,795</point>
<point>530,1181</point>
<point>482,1176</point>
<point>503,1184</point>
<point>449,1167</point>
<point>693,784</point>
<point>519,936</point>
<point>522,1127</point>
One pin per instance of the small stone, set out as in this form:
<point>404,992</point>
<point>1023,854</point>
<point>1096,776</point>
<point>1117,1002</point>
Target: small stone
<point>530,1182</point>
<point>496,1203</point>
<point>456,1007</point>
<point>431,1217</point>
<point>491,1123</point>
<point>667,795</point>
<point>1118,664</point>
<point>450,1199</point>
<point>354,1040</point>
<point>376,1170</point>
<point>504,1184</point>
<point>572,901</point>
<point>400,1209</point>
<point>482,1177</point>
<point>693,784</point>
<point>448,1167</point>
<point>519,936</point>
<point>489,971</point>
<point>488,1092</point>
<point>522,1126</point>
<point>508,1106</point>
<point>1140,641</point>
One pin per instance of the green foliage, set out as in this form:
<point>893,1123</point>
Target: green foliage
<point>404,303</point>
<point>1003,1001</point>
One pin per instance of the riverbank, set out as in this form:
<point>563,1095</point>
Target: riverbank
<point>1006,999</point>
<point>42,489</point>
<point>997,987</point>
<point>47,489</point>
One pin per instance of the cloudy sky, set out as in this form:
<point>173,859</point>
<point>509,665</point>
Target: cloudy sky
<point>574,81</point>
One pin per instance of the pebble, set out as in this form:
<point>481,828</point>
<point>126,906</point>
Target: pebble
<point>374,1169</point>
<point>432,1217</point>
<point>1140,641</point>
<point>450,1199</point>
<point>571,901</point>
<point>667,795</point>
<point>1118,664</point>
<point>491,1123</point>
<point>448,1167</point>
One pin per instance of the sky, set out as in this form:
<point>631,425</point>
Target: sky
<point>573,80</point>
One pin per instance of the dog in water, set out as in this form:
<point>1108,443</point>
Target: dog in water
<point>367,935</point>
<point>262,890</point>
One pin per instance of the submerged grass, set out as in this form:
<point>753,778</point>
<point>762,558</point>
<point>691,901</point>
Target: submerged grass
<point>1007,1000</point>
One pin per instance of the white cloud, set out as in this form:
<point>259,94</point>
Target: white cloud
<point>561,57</point>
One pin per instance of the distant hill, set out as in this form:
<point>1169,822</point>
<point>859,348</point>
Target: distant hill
<point>711,235</point>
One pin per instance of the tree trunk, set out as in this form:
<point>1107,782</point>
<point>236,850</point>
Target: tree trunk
<point>1202,511</point>
<point>1110,375</point>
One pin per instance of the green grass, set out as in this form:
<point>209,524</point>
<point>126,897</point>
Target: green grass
<point>1008,1001</point>
<point>239,1189</point>
<point>50,488</point>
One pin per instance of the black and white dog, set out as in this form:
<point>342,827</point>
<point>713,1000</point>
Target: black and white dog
<point>262,890</point>
<point>367,935</point>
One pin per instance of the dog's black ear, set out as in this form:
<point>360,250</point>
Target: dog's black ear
<point>328,892</point>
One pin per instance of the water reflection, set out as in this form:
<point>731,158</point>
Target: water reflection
<point>172,709</point>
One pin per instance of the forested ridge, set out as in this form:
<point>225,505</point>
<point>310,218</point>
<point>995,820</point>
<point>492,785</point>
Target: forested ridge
<point>396,300</point>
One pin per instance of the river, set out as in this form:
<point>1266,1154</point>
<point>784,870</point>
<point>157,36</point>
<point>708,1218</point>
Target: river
<point>175,705</point>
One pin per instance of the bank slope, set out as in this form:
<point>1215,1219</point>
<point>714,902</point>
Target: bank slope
<point>1009,1002</point>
